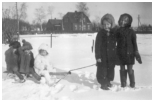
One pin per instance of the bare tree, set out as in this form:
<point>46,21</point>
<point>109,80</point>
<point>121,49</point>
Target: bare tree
<point>6,13</point>
<point>96,23</point>
<point>82,7</point>
<point>10,25</point>
<point>33,22</point>
<point>9,13</point>
<point>61,15</point>
<point>22,11</point>
<point>13,12</point>
<point>50,11</point>
<point>40,15</point>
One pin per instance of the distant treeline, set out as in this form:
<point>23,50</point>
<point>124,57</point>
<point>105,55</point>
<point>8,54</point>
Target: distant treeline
<point>143,32</point>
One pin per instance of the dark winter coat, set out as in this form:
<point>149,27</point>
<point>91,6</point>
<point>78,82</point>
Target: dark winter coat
<point>11,59</point>
<point>105,47</point>
<point>126,45</point>
<point>12,56</point>
<point>26,61</point>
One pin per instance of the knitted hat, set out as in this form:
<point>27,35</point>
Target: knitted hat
<point>15,44</point>
<point>109,18</point>
<point>129,17</point>
<point>44,47</point>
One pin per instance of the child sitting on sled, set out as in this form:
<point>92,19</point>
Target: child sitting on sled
<point>43,66</point>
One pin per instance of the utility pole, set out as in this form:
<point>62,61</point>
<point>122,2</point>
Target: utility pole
<point>82,21</point>
<point>139,22</point>
<point>17,19</point>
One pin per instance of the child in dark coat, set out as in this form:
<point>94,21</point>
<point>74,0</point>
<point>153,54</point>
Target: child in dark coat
<point>27,60</point>
<point>127,49</point>
<point>105,47</point>
<point>12,60</point>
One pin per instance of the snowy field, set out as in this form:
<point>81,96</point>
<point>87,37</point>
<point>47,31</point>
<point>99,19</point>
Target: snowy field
<point>74,51</point>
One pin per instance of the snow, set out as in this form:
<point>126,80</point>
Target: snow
<point>73,51</point>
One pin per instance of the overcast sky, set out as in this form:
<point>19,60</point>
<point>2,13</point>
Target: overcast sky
<point>96,9</point>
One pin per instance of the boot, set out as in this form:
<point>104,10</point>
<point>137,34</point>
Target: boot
<point>132,79</point>
<point>104,88</point>
<point>123,78</point>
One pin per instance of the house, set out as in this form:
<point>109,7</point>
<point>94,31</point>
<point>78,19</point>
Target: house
<point>54,25</point>
<point>76,21</point>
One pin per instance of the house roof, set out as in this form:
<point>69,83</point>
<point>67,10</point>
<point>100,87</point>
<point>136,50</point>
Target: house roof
<point>55,21</point>
<point>75,16</point>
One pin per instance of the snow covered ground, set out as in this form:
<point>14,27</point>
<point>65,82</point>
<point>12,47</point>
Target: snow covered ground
<point>74,51</point>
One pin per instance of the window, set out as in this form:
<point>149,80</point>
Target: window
<point>80,27</point>
<point>83,20</point>
<point>76,27</point>
<point>88,27</point>
<point>84,27</point>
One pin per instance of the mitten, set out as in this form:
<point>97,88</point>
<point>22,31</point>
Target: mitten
<point>138,57</point>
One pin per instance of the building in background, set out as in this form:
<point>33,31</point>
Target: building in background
<point>54,25</point>
<point>71,22</point>
<point>77,22</point>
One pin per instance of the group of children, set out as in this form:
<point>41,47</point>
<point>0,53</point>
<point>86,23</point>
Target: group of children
<point>20,61</point>
<point>116,46</point>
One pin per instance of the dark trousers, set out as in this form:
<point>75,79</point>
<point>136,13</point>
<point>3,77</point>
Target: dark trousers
<point>110,71</point>
<point>101,75</point>
<point>34,74</point>
<point>15,71</point>
<point>105,74</point>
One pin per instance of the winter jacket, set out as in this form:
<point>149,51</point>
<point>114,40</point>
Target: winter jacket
<point>43,63</point>
<point>26,61</point>
<point>12,56</point>
<point>26,58</point>
<point>105,47</point>
<point>11,59</point>
<point>126,42</point>
<point>126,45</point>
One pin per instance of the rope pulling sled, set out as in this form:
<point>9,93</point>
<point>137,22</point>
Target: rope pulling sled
<point>69,72</point>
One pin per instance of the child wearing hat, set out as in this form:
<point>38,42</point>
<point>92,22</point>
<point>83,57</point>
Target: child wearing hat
<point>43,65</point>
<point>105,52</point>
<point>27,61</point>
<point>127,49</point>
<point>12,59</point>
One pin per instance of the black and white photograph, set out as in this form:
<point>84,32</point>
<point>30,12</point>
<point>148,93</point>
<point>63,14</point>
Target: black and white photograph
<point>76,50</point>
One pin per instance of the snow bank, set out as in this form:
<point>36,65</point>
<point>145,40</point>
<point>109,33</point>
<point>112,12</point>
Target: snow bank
<point>74,51</point>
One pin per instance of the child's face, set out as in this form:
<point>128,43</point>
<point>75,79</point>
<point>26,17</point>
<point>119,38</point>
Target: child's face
<point>106,25</point>
<point>124,21</point>
<point>43,52</point>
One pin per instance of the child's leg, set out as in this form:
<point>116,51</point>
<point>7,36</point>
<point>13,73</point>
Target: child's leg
<point>35,75</point>
<point>131,75</point>
<point>123,75</point>
<point>122,67</point>
<point>48,77</point>
<point>110,72</point>
<point>130,69</point>
<point>101,76</point>
<point>15,70</point>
